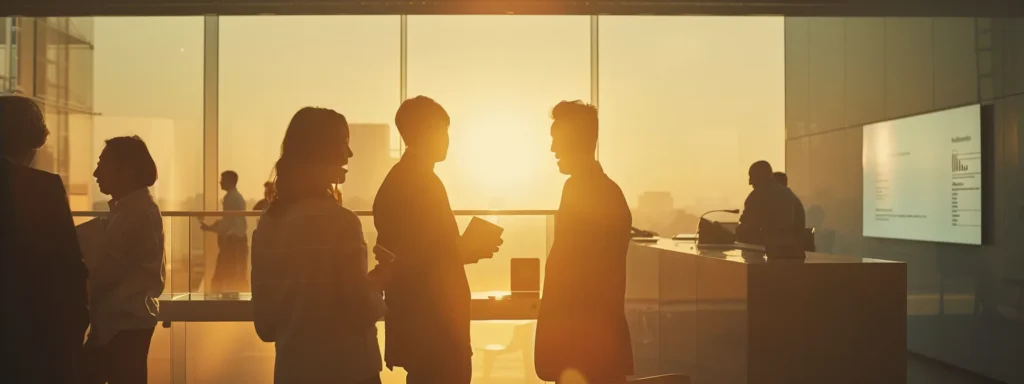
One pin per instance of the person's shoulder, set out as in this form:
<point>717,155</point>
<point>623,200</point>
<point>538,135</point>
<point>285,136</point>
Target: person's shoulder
<point>607,188</point>
<point>396,176</point>
<point>346,216</point>
<point>24,174</point>
<point>327,210</point>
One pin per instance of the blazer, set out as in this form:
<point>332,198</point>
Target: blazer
<point>581,324</point>
<point>45,298</point>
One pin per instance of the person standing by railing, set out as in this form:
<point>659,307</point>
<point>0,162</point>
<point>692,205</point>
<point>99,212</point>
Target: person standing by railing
<point>311,293</point>
<point>127,280</point>
<point>45,307</point>
<point>229,275</point>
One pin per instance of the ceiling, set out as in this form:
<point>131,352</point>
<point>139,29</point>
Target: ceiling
<point>976,8</point>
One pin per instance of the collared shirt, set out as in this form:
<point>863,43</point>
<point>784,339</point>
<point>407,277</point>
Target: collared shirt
<point>125,285</point>
<point>311,295</point>
<point>232,225</point>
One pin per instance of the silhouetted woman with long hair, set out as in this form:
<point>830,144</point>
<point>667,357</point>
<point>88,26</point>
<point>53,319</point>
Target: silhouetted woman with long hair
<point>311,293</point>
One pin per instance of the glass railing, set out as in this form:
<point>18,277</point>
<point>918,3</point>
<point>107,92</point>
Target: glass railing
<point>207,336</point>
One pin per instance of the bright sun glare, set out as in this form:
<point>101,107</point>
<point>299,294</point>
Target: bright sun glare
<point>502,156</point>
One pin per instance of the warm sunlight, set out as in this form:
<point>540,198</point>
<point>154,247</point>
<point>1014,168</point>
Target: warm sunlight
<point>501,156</point>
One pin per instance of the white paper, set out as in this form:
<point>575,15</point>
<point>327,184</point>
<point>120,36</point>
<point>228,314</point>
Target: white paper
<point>92,239</point>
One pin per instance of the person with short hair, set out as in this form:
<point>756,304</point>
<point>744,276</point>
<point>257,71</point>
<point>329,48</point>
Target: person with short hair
<point>772,214</point>
<point>781,178</point>
<point>582,335</point>
<point>230,274</point>
<point>268,194</point>
<point>126,282</point>
<point>43,291</point>
<point>311,295</point>
<point>428,298</point>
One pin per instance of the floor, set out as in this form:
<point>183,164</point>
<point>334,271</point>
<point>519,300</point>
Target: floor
<point>924,371</point>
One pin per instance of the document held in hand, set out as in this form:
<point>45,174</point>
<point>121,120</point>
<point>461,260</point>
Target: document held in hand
<point>481,234</point>
<point>92,239</point>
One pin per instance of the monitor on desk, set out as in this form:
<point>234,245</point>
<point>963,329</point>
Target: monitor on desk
<point>716,233</point>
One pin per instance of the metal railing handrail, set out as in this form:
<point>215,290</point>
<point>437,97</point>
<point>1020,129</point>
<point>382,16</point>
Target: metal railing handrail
<point>457,212</point>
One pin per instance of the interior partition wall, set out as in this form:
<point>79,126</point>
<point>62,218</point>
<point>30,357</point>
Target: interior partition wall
<point>964,302</point>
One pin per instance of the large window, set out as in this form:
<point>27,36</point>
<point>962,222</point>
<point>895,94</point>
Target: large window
<point>5,53</point>
<point>270,67</point>
<point>149,82</point>
<point>498,77</point>
<point>687,104</point>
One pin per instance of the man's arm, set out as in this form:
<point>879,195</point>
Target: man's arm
<point>751,220</point>
<point>231,202</point>
<point>416,223</point>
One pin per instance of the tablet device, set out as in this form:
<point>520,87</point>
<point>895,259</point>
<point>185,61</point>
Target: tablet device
<point>483,231</point>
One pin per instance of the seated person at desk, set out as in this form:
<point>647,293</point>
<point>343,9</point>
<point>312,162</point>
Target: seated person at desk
<point>772,214</point>
<point>582,334</point>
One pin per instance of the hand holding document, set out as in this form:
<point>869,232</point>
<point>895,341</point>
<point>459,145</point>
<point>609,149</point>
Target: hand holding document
<point>480,240</point>
<point>381,273</point>
<point>92,239</point>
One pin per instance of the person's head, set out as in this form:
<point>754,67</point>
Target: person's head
<point>22,129</point>
<point>781,178</point>
<point>125,165</point>
<point>314,155</point>
<point>228,180</point>
<point>423,125</point>
<point>573,134</point>
<point>268,190</point>
<point>761,173</point>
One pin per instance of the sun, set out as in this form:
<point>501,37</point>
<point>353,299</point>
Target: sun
<point>501,157</point>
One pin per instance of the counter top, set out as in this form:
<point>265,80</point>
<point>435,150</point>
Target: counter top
<point>748,254</point>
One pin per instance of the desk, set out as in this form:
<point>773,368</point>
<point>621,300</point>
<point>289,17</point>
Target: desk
<point>186,307</point>
<point>730,316</point>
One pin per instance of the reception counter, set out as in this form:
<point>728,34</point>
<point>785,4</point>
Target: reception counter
<point>729,316</point>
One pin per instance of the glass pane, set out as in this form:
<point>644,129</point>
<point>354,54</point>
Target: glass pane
<point>498,77</point>
<point>149,82</point>
<point>687,104</point>
<point>270,67</point>
<point>5,53</point>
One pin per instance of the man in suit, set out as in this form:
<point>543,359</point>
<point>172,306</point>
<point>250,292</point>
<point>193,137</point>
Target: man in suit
<point>581,327</point>
<point>45,301</point>
<point>427,325</point>
<point>773,215</point>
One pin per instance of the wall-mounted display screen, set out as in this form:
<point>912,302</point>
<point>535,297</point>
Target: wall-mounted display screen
<point>922,177</point>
